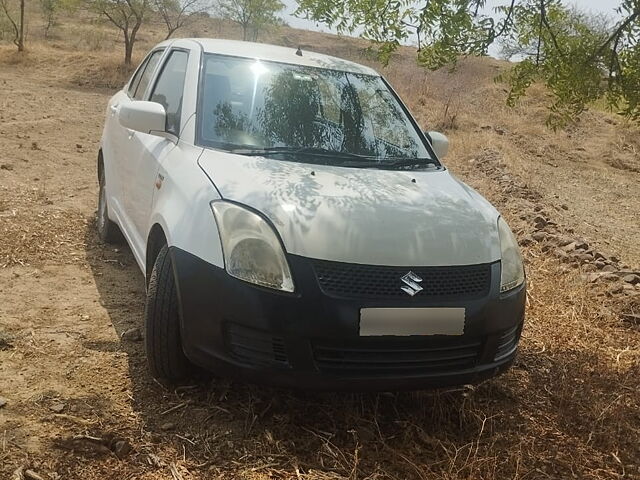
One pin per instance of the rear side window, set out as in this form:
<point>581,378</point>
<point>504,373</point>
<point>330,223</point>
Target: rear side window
<point>142,77</point>
<point>133,84</point>
<point>169,88</point>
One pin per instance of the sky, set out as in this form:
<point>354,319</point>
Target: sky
<point>595,6</point>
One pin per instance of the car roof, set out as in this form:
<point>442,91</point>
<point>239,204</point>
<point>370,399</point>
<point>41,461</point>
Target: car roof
<point>274,53</point>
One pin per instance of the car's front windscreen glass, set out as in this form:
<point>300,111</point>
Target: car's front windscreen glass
<point>306,114</point>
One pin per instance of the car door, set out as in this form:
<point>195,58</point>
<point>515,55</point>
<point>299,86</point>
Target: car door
<point>145,152</point>
<point>115,147</point>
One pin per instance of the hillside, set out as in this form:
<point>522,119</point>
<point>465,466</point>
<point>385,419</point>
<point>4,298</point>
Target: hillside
<point>76,400</point>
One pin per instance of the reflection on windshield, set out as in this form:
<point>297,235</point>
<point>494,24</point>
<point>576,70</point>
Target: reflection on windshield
<point>246,103</point>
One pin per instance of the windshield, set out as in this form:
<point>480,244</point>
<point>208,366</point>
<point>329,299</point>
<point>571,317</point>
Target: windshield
<point>304,113</point>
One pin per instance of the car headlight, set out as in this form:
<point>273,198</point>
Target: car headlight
<point>512,271</point>
<point>252,251</point>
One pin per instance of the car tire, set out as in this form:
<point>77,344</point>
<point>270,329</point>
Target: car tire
<point>163,343</point>
<point>108,230</point>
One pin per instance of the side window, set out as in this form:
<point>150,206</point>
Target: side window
<point>136,77</point>
<point>169,88</point>
<point>143,75</point>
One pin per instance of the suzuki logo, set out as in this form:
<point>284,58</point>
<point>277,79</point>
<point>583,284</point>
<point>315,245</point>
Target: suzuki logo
<point>411,281</point>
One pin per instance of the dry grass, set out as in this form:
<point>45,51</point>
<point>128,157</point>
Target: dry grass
<point>567,409</point>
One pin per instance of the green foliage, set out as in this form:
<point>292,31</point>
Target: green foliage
<point>561,56</point>
<point>253,16</point>
<point>50,10</point>
<point>580,58</point>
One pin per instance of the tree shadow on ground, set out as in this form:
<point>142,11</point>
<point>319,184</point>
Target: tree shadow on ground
<point>555,414</point>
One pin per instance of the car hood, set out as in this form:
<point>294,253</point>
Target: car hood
<point>366,216</point>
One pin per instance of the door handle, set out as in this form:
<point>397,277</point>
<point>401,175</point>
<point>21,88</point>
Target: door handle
<point>114,109</point>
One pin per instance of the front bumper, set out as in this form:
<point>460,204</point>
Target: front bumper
<point>310,339</point>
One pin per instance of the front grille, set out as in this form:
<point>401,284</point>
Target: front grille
<point>385,356</point>
<point>507,343</point>
<point>256,348</point>
<point>354,280</point>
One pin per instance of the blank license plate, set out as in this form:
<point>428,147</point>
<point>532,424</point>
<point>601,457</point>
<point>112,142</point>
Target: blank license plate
<point>411,321</point>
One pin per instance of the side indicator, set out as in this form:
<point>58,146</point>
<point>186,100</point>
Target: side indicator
<point>159,181</point>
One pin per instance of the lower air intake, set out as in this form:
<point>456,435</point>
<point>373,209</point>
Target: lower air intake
<point>384,356</point>
<point>256,348</point>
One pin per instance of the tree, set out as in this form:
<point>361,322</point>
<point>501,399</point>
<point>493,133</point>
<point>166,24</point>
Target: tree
<point>17,26</point>
<point>50,10</point>
<point>252,15</point>
<point>578,59</point>
<point>126,15</point>
<point>177,13</point>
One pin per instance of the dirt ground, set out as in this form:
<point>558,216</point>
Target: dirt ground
<point>81,404</point>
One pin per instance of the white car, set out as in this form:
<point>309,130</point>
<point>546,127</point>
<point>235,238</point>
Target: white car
<point>296,227</point>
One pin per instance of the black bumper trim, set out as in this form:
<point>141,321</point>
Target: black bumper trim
<point>283,333</point>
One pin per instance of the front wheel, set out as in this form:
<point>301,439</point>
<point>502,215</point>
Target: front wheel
<point>162,323</point>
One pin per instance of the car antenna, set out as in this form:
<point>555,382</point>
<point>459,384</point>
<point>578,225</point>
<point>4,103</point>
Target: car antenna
<point>299,51</point>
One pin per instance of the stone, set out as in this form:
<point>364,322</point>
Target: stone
<point>610,277</point>
<point>564,206</point>
<point>599,264</point>
<point>564,256</point>
<point>599,255</point>
<point>582,245</point>
<point>132,335</point>
<point>167,426</point>
<point>569,247</point>
<point>592,277</point>
<point>615,290</point>
<point>539,236</point>
<point>585,257</point>
<point>526,241</point>
<point>609,268</point>
<point>122,448</point>
<point>589,267</point>
<point>564,240</point>
<point>539,222</point>
<point>31,475</point>
<point>632,278</point>
<point>57,407</point>
<point>3,402</point>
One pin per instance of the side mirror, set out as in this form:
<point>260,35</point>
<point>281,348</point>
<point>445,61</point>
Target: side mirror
<point>145,117</point>
<point>439,142</point>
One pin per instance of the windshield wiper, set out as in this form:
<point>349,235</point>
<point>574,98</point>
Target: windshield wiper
<point>346,159</point>
<point>399,164</point>
<point>315,151</point>
<point>410,162</point>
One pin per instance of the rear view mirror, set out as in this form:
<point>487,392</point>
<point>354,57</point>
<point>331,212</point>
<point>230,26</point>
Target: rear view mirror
<point>439,143</point>
<point>145,117</point>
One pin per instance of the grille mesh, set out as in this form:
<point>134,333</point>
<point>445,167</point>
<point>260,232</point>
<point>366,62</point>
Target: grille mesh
<point>373,357</point>
<point>354,280</point>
